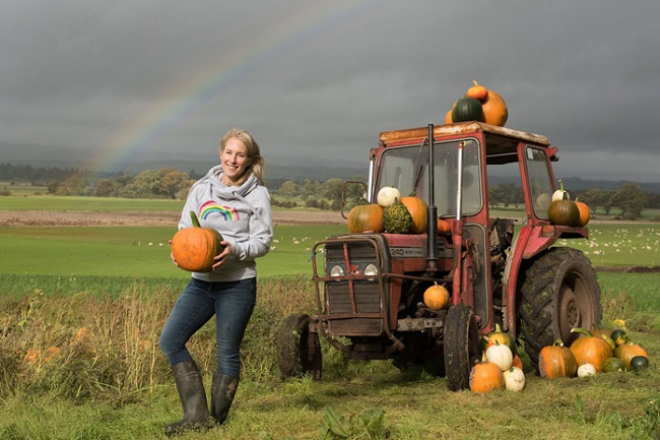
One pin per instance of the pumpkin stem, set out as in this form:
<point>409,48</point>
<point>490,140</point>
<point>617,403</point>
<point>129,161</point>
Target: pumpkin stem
<point>558,343</point>
<point>583,331</point>
<point>475,83</point>
<point>195,220</point>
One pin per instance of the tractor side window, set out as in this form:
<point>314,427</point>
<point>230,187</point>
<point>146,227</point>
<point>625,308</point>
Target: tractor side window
<point>540,181</point>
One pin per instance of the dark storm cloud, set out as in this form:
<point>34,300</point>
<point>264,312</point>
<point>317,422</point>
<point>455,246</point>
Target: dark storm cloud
<point>322,79</point>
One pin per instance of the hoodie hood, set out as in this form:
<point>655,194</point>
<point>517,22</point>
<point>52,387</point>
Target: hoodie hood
<point>220,190</point>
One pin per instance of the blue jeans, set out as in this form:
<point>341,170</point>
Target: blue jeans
<point>232,304</point>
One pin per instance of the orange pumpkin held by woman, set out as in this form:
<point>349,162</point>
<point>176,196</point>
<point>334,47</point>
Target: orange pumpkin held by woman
<point>194,249</point>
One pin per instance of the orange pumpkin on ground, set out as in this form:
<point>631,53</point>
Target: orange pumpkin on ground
<point>625,352</point>
<point>366,218</point>
<point>517,362</point>
<point>418,211</point>
<point>589,349</point>
<point>557,360</point>
<point>194,248</point>
<point>486,377</point>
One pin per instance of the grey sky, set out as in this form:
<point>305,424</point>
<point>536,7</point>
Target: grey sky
<point>135,79</point>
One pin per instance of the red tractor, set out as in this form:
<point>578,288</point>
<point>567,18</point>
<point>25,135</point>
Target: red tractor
<point>370,286</point>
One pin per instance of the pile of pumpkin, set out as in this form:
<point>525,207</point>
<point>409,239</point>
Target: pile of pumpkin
<point>564,211</point>
<point>479,104</point>
<point>500,366</point>
<point>392,213</point>
<point>603,350</point>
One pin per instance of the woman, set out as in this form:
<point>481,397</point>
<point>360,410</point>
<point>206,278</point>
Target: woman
<point>232,199</point>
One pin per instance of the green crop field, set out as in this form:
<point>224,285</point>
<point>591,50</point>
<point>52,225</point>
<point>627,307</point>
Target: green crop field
<point>82,309</point>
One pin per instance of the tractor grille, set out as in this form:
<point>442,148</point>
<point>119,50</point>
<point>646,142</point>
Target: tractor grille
<point>354,303</point>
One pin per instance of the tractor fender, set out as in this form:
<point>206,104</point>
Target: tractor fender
<point>530,242</point>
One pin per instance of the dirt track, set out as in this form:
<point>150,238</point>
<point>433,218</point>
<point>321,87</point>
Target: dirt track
<point>73,218</point>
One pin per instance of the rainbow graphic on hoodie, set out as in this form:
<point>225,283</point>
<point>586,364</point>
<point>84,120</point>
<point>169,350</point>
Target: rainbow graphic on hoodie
<point>229,214</point>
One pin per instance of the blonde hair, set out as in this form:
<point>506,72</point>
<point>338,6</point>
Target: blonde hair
<point>256,161</point>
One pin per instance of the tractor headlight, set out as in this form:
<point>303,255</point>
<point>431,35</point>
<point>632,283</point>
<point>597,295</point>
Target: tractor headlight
<point>371,270</point>
<point>336,271</point>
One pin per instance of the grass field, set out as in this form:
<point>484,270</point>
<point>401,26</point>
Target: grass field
<point>144,251</point>
<point>82,308</point>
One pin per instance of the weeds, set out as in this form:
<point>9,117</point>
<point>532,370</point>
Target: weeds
<point>367,425</point>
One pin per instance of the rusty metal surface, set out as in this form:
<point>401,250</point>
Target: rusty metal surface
<point>458,129</point>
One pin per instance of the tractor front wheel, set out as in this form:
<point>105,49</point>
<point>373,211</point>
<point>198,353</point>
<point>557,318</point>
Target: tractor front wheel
<point>560,292</point>
<point>460,346</point>
<point>299,349</point>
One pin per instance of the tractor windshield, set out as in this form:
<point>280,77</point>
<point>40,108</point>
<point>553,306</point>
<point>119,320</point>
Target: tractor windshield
<point>406,168</point>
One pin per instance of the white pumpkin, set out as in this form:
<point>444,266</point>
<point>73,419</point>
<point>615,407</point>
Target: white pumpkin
<point>560,194</point>
<point>387,195</point>
<point>514,379</point>
<point>585,370</point>
<point>501,355</point>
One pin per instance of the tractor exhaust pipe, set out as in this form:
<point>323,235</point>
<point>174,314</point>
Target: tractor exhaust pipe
<point>432,212</point>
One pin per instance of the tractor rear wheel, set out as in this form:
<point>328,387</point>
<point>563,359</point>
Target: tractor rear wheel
<point>299,349</point>
<point>460,346</point>
<point>560,292</point>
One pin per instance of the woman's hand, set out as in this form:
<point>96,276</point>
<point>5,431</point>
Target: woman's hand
<point>222,256</point>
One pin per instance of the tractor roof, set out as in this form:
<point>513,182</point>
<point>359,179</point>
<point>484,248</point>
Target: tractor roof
<point>502,133</point>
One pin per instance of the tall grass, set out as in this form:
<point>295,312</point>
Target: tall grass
<point>96,345</point>
<point>87,362</point>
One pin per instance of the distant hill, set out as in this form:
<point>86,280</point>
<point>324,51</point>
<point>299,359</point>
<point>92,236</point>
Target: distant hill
<point>278,169</point>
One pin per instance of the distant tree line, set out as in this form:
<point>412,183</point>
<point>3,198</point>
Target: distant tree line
<point>168,183</point>
<point>629,199</point>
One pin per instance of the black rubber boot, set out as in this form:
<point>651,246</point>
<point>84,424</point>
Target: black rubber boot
<point>193,399</point>
<point>223,391</point>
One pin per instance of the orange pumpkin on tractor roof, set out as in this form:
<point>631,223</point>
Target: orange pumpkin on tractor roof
<point>495,109</point>
<point>194,248</point>
<point>477,91</point>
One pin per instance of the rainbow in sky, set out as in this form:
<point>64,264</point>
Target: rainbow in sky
<point>210,81</point>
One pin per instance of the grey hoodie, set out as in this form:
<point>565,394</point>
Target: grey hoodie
<point>241,214</point>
